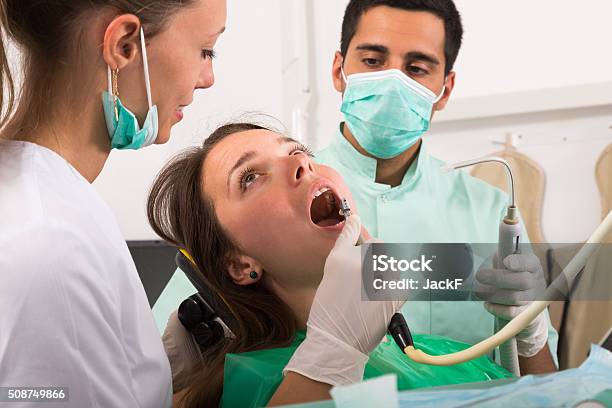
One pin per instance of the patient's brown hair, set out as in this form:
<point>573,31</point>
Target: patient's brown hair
<point>181,213</point>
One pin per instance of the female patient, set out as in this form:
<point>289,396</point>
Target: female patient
<point>259,218</point>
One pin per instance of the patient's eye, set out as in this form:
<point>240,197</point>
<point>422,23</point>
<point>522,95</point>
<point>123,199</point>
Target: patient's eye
<point>303,149</point>
<point>247,177</point>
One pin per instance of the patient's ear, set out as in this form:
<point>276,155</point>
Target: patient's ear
<point>244,270</point>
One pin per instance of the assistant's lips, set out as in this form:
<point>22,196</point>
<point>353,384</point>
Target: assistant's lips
<point>179,112</point>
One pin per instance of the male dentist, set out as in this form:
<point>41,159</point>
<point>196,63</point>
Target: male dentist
<point>394,69</point>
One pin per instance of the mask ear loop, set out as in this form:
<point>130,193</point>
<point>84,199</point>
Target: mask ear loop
<point>145,64</point>
<point>343,75</point>
<point>441,93</point>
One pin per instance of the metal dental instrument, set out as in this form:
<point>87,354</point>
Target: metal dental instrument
<point>509,239</point>
<point>345,209</point>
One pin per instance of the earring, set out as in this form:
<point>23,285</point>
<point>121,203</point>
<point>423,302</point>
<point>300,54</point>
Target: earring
<point>115,90</point>
<point>253,275</point>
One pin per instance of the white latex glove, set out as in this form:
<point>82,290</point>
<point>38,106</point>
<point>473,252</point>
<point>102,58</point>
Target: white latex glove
<point>507,292</point>
<point>342,329</point>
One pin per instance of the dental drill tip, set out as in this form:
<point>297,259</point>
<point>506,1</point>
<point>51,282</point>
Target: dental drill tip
<point>345,209</point>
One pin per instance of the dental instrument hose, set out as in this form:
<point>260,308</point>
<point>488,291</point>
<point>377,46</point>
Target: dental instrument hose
<point>508,243</point>
<point>521,321</point>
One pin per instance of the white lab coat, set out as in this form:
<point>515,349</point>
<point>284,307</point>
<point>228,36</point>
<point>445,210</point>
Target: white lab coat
<point>73,312</point>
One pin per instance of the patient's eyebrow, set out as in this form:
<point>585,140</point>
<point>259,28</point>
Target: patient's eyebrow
<point>285,139</point>
<point>243,159</point>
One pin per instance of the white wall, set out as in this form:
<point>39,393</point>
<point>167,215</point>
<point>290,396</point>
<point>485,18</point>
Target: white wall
<point>565,144</point>
<point>509,47</point>
<point>524,44</point>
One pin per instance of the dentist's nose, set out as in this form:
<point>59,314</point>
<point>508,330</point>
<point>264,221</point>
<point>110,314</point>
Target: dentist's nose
<point>301,166</point>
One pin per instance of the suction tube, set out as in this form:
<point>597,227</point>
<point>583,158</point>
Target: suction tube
<point>526,316</point>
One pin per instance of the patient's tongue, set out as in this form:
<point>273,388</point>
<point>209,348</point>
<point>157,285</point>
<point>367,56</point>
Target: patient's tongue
<point>327,222</point>
<point>319,209</point>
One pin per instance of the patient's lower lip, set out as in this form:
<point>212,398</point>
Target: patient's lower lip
<point>336,228</point>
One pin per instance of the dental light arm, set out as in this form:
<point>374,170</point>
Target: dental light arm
<point>528,315</point>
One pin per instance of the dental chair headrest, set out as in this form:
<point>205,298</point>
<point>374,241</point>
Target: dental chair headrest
<point>205,315</point>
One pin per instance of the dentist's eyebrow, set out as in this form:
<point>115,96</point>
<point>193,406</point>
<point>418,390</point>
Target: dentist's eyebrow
<point>373,47</point>
<point>243,159</point>
<point>421,56</point>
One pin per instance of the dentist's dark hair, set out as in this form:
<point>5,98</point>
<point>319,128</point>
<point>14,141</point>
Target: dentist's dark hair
<point>47,33</point>
<point>444,9</point>
<point>180,211</point>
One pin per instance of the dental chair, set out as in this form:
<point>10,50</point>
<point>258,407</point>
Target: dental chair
<point>203,314</point>
<point>198,324</point>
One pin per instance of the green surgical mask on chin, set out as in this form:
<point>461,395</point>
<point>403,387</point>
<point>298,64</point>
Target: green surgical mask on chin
<point>123,128</point>
<point>386,111</point>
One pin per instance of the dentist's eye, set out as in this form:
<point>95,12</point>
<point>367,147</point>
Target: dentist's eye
<point>371,62</point>
<point>247,177</point>
<point>414,70</point>
<point>302,149</point>
<point>208,54</point>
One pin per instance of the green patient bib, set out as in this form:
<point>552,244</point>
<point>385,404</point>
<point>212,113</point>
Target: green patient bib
<point>251,378</point>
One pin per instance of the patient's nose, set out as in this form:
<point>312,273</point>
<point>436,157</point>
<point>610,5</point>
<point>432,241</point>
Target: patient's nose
<point>301,166</point>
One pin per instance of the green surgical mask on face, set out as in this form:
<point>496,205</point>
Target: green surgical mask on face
<point>386,111</point>
<point>123,128</point>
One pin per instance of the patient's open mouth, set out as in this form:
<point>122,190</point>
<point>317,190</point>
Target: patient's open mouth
<point>324,209</point>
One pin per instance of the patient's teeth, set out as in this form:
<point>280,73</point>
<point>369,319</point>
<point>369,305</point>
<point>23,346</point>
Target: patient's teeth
<point>320,191</point>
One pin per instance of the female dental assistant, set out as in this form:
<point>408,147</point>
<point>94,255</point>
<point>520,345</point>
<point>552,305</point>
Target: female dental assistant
<point>98,75</point>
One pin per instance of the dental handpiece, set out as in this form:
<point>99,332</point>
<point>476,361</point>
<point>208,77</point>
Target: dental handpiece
<point>509,239</point>
<point>345,211</point>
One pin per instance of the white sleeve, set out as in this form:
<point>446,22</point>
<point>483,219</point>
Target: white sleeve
<point>59,322</point>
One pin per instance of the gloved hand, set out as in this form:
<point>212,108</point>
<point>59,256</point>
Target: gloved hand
<point>508,290</point>
<point>342,329</point>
